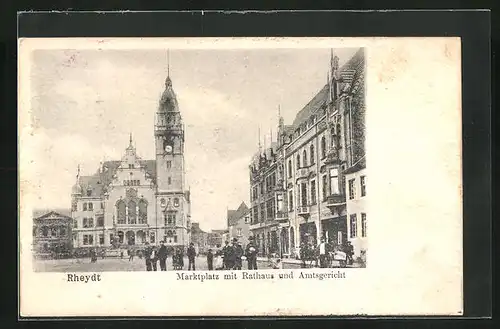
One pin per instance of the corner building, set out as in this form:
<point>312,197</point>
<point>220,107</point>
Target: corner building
<point>315,158</point>
<point>132,201</point>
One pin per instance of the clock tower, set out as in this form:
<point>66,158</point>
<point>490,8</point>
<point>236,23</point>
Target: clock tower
<point>172,198</point>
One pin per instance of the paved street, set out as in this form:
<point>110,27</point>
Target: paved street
<point>117,264</point>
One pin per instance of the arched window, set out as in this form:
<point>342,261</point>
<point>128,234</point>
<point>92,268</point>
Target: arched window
<point>312,154</point>
<point>120,236</point>
<point>176,202</point>
<point>289,168</point>
<point>323,147</point>
<point>143,211</point>
<point>292,237</point>
<point>91,206</point>
<point>304,158</point>
<point>132,212</point>
<point>121,211</point>
<point>298,161</point>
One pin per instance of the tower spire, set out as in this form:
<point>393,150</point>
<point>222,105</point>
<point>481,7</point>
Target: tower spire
<point>130,142</point>
<point>78,173</point>
<point>260,147</point>
<point>168,62</point>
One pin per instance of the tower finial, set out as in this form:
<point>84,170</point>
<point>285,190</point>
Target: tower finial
<point>130,139</point>
<point>260,147</point>
<point>78,173</point>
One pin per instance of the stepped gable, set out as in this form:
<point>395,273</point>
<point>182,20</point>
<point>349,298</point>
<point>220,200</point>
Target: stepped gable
<point>100,180</point>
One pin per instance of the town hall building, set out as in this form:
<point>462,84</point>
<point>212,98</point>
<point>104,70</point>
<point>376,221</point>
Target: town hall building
<point>132,201</point>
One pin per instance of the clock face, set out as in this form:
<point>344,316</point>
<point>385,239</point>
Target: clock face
<point>168,148</point>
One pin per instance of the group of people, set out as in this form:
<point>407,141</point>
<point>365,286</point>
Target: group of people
<point>325,253</point>
<point>232,255</point>
<point>154,255</point>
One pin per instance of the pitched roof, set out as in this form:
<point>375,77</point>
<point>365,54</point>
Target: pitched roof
<point>234,215</point>
<point>48,214</point>
<point>314,104</point>
<point>100,180</point>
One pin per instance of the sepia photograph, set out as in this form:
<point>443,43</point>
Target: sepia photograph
<point>185,166</point>
<point>158,198</point>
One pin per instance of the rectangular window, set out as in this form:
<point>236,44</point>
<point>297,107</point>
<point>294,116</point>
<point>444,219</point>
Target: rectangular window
<point>352,189</point>
<point>334,181</point>
<point>91,222</point>
<point>289,168</point>
<point>169,164</point>
<point>74,206</point>
<point>88,239</point>
<point>313,192</point>
<point>102,205</point>
<point>363,225</point>
<point>239,232</point>
<point>91,206</point>
<point>84,206</point>
<point>175,238</point>
<point>339,238</point>
<point>279,204</point>
<point>100,221</point>
<point>101,239</point>
<point>363,185</point>
<point>325,187</point>
<point>303,194</point>
<point>354,226</point>
<point>152,238</point>
<point>169,180</point>
<point>131,166</point>
<point>111,238</point>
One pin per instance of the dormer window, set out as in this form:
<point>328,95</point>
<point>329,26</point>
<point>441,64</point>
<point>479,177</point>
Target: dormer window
<point>89,191</point>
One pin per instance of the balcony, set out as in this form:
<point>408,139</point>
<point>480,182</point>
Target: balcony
<point>302,173</point>
<point>336,202</point>
<point>282,217</point>
<point>303,210</point>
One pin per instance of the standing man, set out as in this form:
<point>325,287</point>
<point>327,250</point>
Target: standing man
<point>349,252</point>
<point>191,253</point>
<point>322,253</point>
<point>225,254</point>
<point>154,258</point>
<point>251,254</point>
<point>210,260</point>
<point>238,253</point>
<point>147,255</point>
<point>162,256</point>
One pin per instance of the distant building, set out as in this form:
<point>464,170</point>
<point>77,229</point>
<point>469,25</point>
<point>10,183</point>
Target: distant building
<point>215,238</point>
<point>238,224</point>
<point>52,233</point>
<point>199,238</point>
<point>299,184</point>
<point>131,201</point>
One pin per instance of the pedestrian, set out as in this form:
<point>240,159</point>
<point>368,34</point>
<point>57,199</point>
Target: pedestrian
<point>303,254</point>
<point>251,254</point>
<point>191,253</point>
<point>322,253</point>
<point>162,256</point>
<point>154,258</point>
<point>349,252</point>
<point>147,255</point>
<point>93,255</point>
<point>238,253</point>
<point>130,254</point>
<point>226,251</point>
<point>210,259</point>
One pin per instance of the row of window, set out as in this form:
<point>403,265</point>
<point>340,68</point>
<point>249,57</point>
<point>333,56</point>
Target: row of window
<point>86,206</point>
<point>132,212</point>
<point>46,232</point>
<point>305,160</point>
<point>353,232</point>
<point>88,239</point>
<point>352,187</point>
<point>163,202</point>
<point>131,182</point>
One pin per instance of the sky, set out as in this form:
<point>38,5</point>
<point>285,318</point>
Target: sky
<point>85,103</point>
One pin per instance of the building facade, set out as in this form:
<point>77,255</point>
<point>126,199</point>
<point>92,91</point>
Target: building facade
<point>132,201</point>
<point>313,160</point>
<point>238,224</point>
<point>216,238</point>
<point>52,234</point>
